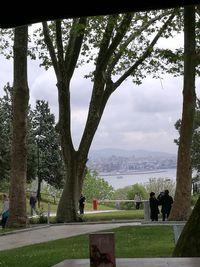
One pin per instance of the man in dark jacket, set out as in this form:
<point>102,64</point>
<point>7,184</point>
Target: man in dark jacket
<point>166,202</point>
<point>81,204</point>
<point>32,202</point>
<point>153,202</point>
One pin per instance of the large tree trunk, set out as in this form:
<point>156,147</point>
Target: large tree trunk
<point>182,202</point>
<point>18,216</point>
<point>75,162</point>
<point>68,204</point>
<point>188,244</point>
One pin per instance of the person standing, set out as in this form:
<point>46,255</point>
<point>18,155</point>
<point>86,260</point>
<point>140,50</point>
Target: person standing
<point>5,210</point>
<point>137,200</point>
<point>33,201</point>
<point>81,204</point>
<point>166,202</point>
<point>154,210</point>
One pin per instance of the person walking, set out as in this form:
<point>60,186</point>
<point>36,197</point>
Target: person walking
<point>154,210</point>
<point>32,202</point>
<point>166,202</point>
<point>81,204</point>
<point>5,210</point>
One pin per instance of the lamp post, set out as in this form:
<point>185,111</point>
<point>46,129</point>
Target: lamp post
<point>38,139</point>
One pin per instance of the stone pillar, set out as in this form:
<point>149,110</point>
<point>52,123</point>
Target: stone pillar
<point>146,210</point>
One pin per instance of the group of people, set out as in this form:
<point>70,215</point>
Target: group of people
<point>164,200</point>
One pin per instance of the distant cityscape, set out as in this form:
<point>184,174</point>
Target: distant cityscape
<point>123,161</point>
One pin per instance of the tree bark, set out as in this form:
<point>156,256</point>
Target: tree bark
<point>67,208</point>
<point>181,209</point>
<point>188,244</point>
<point>74,163</point>
<point>17,192</point>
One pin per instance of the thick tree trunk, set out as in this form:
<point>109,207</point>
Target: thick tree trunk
<point>68,204</point>
<point>17,195</point>
<point>74,163</point>
<point>182,202</point>
<point>188,244</point>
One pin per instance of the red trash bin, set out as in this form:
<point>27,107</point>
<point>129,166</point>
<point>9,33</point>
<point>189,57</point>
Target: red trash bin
<point>94,203</point>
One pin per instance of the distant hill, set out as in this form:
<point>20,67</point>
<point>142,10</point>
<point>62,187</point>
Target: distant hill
<point>109,152</point>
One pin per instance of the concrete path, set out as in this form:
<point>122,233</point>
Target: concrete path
<point>53,232</point>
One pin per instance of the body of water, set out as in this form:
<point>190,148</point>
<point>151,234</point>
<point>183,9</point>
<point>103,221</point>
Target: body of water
<point>122,180</point>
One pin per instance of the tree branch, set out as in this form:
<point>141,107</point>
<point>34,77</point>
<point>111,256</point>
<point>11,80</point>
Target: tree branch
<point>74,45</point>
<point>106,51</point>
<point>145,54</point>
<point>50,47</point>
<point>129,40</point>
<point>59,43</point>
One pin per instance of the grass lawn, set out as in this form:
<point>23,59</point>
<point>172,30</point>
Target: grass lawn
<point>116,215</point>
<point>105,216</point>
<point>130,242</point>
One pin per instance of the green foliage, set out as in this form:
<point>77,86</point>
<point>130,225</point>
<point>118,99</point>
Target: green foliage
<point>137,189</point>
<point>129,192</point>
<point>53,193</point>
<point>35,120</point>
<point>5,132</point>
<point>121,193</point>
<point>131,33</point>
<point>40,122</point>
<point>168,61</point>
<point>42,215</point>
<point>47,147</point>
<point>94,187</point>
<point>4,185</point>
<point>6,42</point>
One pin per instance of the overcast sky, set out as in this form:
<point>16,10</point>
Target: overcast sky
<point>136,117</point>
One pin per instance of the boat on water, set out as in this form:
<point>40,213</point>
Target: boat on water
<point>119,177</point>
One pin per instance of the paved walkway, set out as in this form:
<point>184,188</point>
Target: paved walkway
<point>53,232</point>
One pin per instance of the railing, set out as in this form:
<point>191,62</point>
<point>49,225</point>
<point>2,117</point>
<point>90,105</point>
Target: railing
<point>120,200</point>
